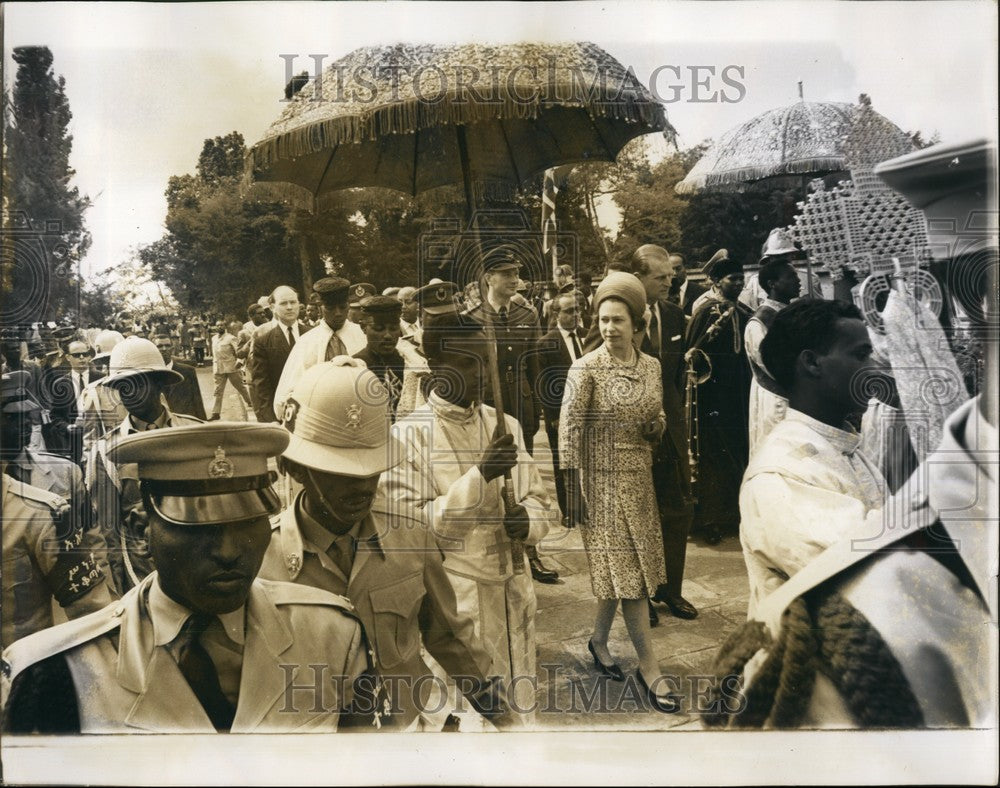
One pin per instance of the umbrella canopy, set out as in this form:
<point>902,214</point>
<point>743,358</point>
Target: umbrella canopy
<point>389,117</point>
<point>808,137</point>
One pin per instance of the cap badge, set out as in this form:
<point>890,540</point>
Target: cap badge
<point>359,291</point>
<point>220,467</point>
<point>354,416</point>
<point>441,294</point>
<point>288,417</point>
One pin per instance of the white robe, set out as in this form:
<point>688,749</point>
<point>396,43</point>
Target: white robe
<point>490,574</point>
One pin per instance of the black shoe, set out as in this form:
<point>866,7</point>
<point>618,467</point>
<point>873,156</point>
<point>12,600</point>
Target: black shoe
<point>611,671</point>
<point>713,534</point>
<point>678,605</point>
<point>214,417</point>
<point>654,617</point>
<point>669,704</point>
<point>540,572</point>
<point>567,523</point>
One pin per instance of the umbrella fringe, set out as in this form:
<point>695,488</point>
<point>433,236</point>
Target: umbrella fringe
<point>745,174</point>
<point>486,191</point>
<point>408,117</point>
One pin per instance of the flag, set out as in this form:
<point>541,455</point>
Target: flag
<point>549,192</point>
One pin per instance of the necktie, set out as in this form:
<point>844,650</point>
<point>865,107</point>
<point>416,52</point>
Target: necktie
<point>576,345</point>
<point>342,552</point>
<point>502,315</point>
<point>78,383</point>
<point>291,338</point>
<point>335,347</point>
<point>654,330</point>
<point>201,674</point>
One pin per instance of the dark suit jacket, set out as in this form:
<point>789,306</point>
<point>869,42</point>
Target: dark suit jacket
<point>57,395</point>
<point>267,359</point>
<point>691,295</point>
<point>185,397</point>
<point>673,325</point>
<point>554,360</point>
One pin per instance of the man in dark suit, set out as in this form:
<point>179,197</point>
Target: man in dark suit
<point>184,397</point>
<point>664,340</point>
<point>272,342</point>
<point>683,292</point>
<point>54,387</point>
<point>82,371</point>
<point>557,351</point>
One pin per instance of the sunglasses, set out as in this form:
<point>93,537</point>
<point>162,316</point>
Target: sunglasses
<point>84,354</point>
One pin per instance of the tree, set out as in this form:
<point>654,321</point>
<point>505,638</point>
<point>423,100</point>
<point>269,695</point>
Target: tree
<point>221,250</point>
<point>41,207</point>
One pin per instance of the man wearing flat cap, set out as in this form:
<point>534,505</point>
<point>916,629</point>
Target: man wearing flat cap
<point>380,322</point>
<point>340,536</point>
<point>139,377</point>
<point>201,645</point>
<point>356,294</point>
<point>717,328</point>
<point>50,550</point>
<point>334,336</point>
<point>453,470</point>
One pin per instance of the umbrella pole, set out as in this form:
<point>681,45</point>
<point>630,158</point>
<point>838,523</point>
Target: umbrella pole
<point>509,499</point>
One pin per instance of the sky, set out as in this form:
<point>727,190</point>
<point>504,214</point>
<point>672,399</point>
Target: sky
<point>148,83</point>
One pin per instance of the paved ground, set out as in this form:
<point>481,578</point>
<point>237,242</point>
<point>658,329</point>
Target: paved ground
<point>570,693</point>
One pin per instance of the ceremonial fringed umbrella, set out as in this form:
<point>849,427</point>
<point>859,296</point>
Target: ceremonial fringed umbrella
<point>805,138</point>
<point>413,118</point>
<point>416,117</point>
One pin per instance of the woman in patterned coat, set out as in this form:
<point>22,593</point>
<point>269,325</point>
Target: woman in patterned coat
<point>611,418</point>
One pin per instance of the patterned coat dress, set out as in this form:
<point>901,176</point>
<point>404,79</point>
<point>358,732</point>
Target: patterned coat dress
<point>605,404</point>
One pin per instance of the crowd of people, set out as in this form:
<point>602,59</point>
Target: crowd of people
<point>377,512</point>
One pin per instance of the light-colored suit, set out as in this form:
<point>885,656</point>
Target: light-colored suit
<point>124,682</point>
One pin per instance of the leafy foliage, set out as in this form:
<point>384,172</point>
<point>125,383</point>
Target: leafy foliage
<point>40,201</point>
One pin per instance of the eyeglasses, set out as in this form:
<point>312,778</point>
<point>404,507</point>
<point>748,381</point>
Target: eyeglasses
<point>84,354</point>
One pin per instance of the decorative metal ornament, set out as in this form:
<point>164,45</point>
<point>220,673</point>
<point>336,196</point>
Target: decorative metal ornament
<point>874,290</point>
<point>354,416</point>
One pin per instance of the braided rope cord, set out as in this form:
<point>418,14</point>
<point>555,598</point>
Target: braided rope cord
<point>820,633</point>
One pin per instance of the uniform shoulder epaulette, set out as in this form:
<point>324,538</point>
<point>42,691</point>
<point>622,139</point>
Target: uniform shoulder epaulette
<point>284,593</point>
<point>52,500</point>
<point>48,642</point>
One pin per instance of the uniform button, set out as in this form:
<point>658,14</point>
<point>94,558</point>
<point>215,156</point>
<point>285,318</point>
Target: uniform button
<point>119,611</point>
<point>509,347</point>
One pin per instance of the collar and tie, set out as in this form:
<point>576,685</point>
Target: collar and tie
<point>335,347</point>
<point>200,672</point>
<point>654,329</point>
<point>291,336</point>
<point>575,341</point>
